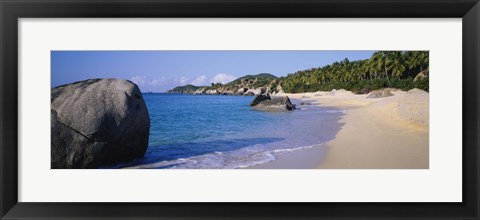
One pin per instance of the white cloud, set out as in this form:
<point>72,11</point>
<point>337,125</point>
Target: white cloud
<point>183,80</point>
<point>159,81</point>
<point>159,84</point>
<point>199,81</point>
<point>222,78</point>
<point>139,80</point>
<point>179,80</point>
<point>165,83</point>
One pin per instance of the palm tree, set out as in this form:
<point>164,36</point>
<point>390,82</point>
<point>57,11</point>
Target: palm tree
<point>381,57</point>
<point>372,67</point>
<point>396,64</point>
<point>366,68</point>
<point>328,73</point>
<point>410,61</point>
<point>358,70</point>
<point>423,59</point>
<point>349,74</point>
<point>418,58</point>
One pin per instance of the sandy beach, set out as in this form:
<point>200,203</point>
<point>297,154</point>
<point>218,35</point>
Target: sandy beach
<point>377,133</point>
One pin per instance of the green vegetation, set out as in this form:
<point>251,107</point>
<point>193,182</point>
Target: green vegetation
<point>363,86</point>
<point>258,80</point>
<point>185,89</point>
<point>253,81</point>
<point>262,80</point>
<point>395,69</point>
<point>215,85</point>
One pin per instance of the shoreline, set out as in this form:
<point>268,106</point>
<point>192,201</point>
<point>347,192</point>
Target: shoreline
<point>380,133</point>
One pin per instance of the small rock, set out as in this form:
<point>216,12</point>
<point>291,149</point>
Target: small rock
<point>275,104</point>
<point>379,94</point>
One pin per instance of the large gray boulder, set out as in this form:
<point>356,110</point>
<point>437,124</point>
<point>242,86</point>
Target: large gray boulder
<point>200,91</point>
<point>242,90</point>
<point>212,92</point>
<point>275,104</point>
<point>97,122</point>
<point>257,91</point>
<point>259,98</point>
<point>421,75</point>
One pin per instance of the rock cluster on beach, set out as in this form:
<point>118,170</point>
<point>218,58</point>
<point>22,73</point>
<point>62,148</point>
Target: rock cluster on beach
<point>379,94</point>
<point>421,75</point>
<point>265,102</point>
<point>97,122</point>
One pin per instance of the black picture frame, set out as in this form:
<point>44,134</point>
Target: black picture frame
<point>12,10</point>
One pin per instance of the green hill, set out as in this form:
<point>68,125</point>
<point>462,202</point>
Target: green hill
<point>261,78</point>
<point>189,89</point>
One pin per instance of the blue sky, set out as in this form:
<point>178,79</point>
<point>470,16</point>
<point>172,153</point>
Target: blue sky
<point>158,71</point>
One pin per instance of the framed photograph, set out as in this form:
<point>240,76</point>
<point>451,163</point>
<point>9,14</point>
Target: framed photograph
<point>239,109</point>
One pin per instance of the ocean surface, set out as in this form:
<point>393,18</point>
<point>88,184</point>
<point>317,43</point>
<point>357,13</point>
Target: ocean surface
<point>223,132</point>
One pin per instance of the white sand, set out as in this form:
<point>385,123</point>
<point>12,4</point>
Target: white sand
<point>382,133</point>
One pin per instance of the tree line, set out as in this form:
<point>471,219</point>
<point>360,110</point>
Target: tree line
<point>396,69</point>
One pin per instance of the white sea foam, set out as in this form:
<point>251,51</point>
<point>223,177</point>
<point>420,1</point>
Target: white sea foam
<point>335,111</point>
<point>223,160</point>
<point>296,148</point>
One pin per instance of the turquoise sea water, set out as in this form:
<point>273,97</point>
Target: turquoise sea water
<point>214,131</point>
